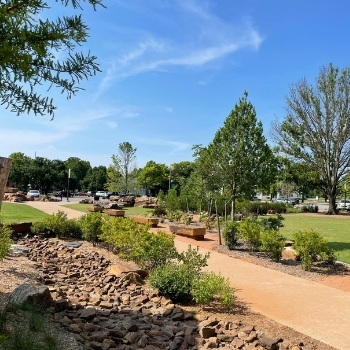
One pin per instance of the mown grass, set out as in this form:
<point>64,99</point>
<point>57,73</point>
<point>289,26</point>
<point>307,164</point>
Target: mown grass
<point>129,211</point>
<point>16,212</point>
<point>334,228</point>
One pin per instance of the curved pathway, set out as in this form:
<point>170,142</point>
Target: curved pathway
<point>311,308</point>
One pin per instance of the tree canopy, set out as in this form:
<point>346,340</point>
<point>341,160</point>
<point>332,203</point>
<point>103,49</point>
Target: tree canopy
<point>123,168</point>
<point>29,47</point>
<point>240,159</point>
<point>316,129</point>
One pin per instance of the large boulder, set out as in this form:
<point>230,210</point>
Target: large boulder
<point>36,294</point>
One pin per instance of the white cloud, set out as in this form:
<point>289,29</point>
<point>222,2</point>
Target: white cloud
<point>203,39</point>
<point>169,109</point>
<point>175,145</point>
<point>112,125</point>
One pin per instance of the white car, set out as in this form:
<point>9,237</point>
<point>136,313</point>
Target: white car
<point>34,193</point>
<point>344,204</point>
<point>103,194</point>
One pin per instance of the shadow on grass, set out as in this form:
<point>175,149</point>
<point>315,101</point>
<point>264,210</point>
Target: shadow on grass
<point>339,246</point>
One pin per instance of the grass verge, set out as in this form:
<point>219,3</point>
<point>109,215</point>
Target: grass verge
<point>16,212</point>
<point>334,228</point>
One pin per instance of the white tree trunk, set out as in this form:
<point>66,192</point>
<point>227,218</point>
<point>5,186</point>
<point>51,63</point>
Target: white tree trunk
<point>5,165</point>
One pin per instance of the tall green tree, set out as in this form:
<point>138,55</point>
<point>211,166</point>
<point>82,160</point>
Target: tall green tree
<point>122,170</point>
<point>316,129</point>
<point>153,176</point>
<point>79,169</point>
<point>240,157</point>
<point>36,51</point>
<point>18,172</point>
<point>95,179</point>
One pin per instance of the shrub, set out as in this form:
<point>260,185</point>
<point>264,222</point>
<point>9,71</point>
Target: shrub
<point>5,239</point>
<point>210,286</point>
<point>231,234</point>
<point>250,230</point>
<point>91,226</point>
<point>272,242</point>
<point>187,219</point>
<point>309,208</point>
<point>123,234</point>
<point>273,222</point>
<point>172,201</point>
<point>57,225</point>
<point>153,250</point>
<point>176,278</point>
<point>310,247</point>
<point>173,280</point>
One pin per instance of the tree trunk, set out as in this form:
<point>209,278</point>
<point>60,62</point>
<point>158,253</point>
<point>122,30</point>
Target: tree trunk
<point>5,165</point>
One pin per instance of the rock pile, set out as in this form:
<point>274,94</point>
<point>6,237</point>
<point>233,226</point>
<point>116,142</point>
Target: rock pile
<point>110,308</point>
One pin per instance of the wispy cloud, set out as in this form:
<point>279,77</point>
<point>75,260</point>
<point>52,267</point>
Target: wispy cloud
<point>204,38</point>
<point>174,146</point>
<point>169,109</point>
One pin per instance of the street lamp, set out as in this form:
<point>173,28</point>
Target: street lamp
<point>68,185</point>
<point>170,177</point>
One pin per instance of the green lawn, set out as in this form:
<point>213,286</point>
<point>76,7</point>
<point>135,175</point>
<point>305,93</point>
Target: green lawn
<point>130,211</point>
<point>336,229</point>
<point>15,212</point>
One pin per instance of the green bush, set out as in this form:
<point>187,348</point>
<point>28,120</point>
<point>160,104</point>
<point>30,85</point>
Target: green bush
<point>231,234</point>
<point>309,208</point>
<point>209,287</point>
<point>5,239</point>
<point>57,225</point>
<point>153,250</point>
<point>91,226</point>
<point>272,242</point>
<point>175,279</point>
<point>172,202</point>
<point>310,247</point>
<point>273,222</point>
<point>249,231</point>
<point>123,234</point>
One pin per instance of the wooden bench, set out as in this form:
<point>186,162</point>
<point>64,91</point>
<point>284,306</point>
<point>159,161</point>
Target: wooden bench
<point>95,209</point>
<point>115,212</point>
<point>196,232</point>
<point>144,220</point>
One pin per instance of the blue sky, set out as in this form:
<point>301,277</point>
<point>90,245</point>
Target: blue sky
<point>172,70</point>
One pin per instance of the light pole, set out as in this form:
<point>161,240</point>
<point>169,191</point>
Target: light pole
<point>68,185</point>
<point>170,178</point>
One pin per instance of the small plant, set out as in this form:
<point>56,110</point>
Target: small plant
<point>91,226</point>
<point>153,250</point>
<point>187,219</point>
<point>310,247</point>
<point>272,242</point>
<point>231,234</point>
<point>5,239</point>
<point>57,225</point>
<point>210,286</point>
<point>273,223</point>
<point>250,230</point>
<point>176,278</point>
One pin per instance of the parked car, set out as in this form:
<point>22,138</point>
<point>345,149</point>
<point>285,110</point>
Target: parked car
<point>281,200</point>
<point>293,201</point>
<point>34,193</point>
<point>64,193</point>
<point>90,193</point>
<point>103,194</point>
<point>344,204</point>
